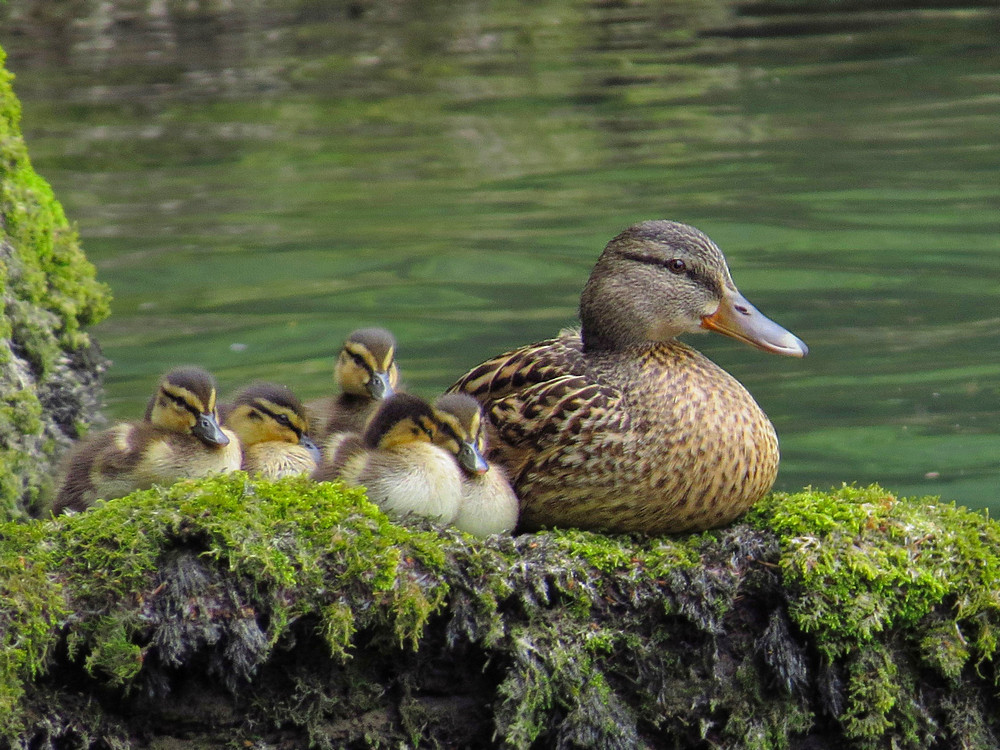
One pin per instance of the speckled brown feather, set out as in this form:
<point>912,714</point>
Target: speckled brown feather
<point>655,438</point>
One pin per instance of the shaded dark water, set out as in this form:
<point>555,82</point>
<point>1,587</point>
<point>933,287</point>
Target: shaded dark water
<point>255,182</point>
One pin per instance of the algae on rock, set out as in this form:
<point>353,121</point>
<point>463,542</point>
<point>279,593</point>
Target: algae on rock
<point>291,613</point>
<point>49,367</point>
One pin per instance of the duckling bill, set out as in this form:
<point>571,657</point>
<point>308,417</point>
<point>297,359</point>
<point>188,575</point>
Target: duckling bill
<point>618,426</point>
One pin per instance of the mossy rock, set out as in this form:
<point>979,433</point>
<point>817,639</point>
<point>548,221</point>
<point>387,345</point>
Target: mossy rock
<point>49,367</point>
<point>230,612</point>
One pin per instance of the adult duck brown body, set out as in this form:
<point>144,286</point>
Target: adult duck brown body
<point>618,426</point>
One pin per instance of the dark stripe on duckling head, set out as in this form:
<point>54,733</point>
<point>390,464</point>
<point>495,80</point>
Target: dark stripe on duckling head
<point>277,402</point>
<point>395,410</point>
<point>460,421</point>
<point>192,388</point>
<point>378,342</point>
<point>466,412</point>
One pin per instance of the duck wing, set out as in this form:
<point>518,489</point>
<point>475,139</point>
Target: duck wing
<point>545,406</point>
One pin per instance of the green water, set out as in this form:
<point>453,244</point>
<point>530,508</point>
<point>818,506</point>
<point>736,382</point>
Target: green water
<point>255,182</point>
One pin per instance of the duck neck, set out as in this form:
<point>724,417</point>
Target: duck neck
<point>606,327</point>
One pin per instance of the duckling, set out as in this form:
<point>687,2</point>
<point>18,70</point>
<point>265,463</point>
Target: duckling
<point>366,374</point>
<point>618,426</point>
<point>397,461</point>
<point>489,505</point>
<point>273,429</point>
<point>179,437</point>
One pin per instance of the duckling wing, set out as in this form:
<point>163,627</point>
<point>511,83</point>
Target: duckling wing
<point>94,466</point>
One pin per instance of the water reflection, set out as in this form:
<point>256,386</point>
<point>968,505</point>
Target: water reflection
<point>255,182</point>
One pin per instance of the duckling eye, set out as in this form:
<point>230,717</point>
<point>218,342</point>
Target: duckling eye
<point>676,265</point>
<point>283,420</point>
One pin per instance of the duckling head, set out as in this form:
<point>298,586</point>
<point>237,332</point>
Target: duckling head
<point>185,402</point>
<point>366,366</point>
<point>267,412</point>
<point>461,431</point>
<point>659,279</point>
<point>402,419</point>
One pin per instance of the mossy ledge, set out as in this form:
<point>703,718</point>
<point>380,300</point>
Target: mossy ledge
<point>238,613</point>
<point>49,367</point>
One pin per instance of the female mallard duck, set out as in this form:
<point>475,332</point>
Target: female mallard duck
<point>273,429</point>
<point>180,437</point>
<point>489,505</point>
<point>397,462</point>
<point>619,426</point>
<point>366,374</point>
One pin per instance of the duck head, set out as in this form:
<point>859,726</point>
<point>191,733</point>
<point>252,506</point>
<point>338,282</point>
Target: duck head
<point>185,402</point>
<point>401,419</point>
<point>268,412</point>
<point>366,365</point>
<point>659,279</point>
<point>462,431</point>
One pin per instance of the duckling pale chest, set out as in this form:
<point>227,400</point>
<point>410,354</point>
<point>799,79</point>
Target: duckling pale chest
<point>273,460</point>
<point>680,444</point>
<point>418,478</point>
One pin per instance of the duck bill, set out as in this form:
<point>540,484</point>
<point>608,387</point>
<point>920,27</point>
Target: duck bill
<point>470,459</point>
<point>208,431</point>
<point>740,320</point>
<point>306,442</point>
<point>379,387</point>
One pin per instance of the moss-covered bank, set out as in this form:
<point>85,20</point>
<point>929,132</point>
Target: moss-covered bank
<point>237,614</point>
<point>48,366</point>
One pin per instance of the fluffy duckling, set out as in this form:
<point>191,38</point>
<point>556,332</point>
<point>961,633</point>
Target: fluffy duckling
<point>397,462</point>
<point>366,374</point>
<point>618,426</point>
<point>489,505</point>
<point>179,437</point>
<point>273,429</point>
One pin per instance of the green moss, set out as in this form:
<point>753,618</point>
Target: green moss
<point>50,295</point>
<point>32,604</point>
<point>864,569</point>
<point>851,616</point>
<point>46,267</point>
<point>863,561</point>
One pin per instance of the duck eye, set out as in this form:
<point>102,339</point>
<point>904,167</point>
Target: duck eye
<point>676,265</point>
